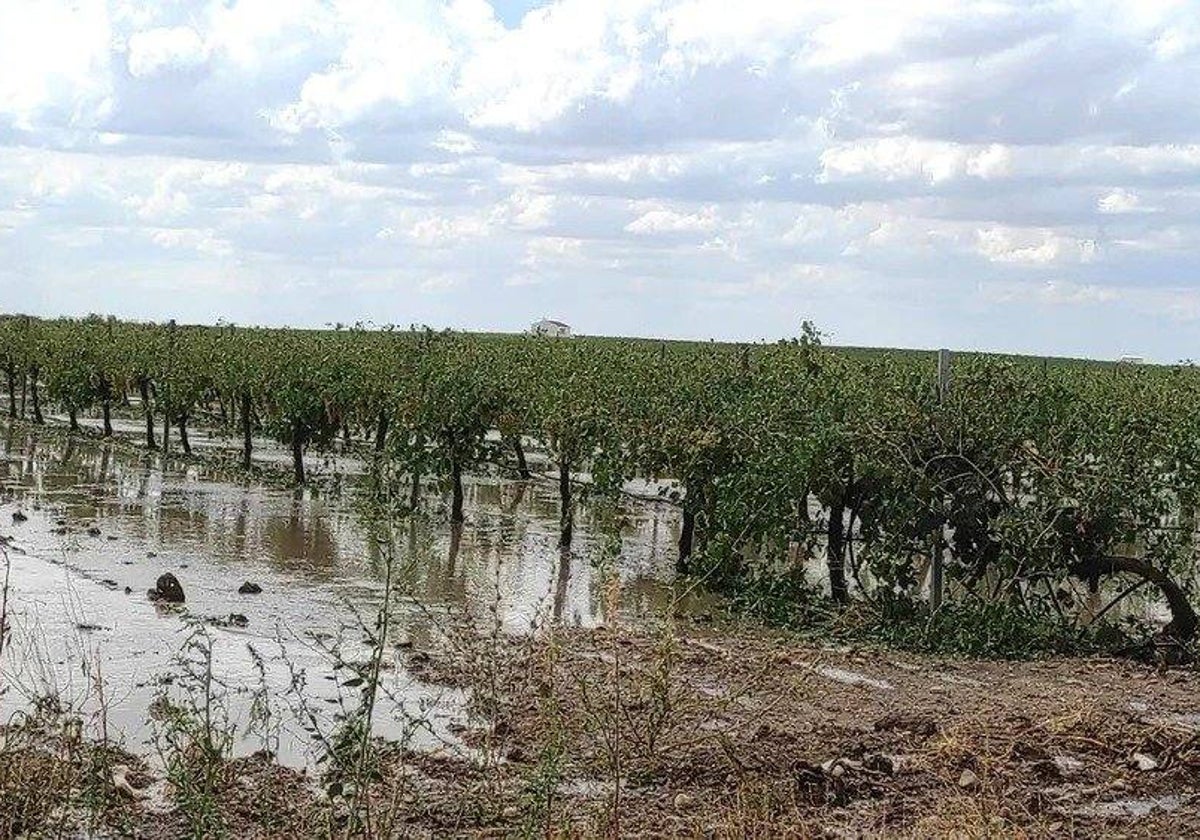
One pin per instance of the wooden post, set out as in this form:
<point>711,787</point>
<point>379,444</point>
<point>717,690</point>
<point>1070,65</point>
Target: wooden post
<point>937,562</point>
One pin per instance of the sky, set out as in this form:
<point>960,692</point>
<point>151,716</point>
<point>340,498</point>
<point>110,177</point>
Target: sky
<point>1014,176</point>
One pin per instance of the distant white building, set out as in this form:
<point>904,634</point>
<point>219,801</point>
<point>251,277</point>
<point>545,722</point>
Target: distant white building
<point>1132,360</point>
<point>554,329</point>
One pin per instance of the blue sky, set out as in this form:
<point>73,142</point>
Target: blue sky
<point>510,12</point>
<point>1019,176</point>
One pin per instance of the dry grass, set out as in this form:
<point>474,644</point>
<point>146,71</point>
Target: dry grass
<point>666,733</point>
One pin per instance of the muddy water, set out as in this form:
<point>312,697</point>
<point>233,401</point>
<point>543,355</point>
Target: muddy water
<point>102,522</point>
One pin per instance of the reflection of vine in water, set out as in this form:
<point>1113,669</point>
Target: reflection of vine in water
<point>304,542</point>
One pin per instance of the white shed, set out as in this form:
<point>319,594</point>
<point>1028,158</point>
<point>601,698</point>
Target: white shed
<point>549,327</point>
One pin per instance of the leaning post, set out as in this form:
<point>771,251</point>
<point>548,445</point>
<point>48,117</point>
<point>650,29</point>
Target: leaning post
<point>937,562</point>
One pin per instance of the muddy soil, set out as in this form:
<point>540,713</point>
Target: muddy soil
<point>743,732</point>
<point>732,732</point>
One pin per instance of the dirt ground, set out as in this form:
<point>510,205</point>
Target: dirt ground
<point>749,733</point>
<point>740,733</point>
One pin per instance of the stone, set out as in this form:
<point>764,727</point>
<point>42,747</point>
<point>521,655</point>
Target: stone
<point>1067,765</point>
<point>168,589</point>
<point>1144,762</point>
<point>881,763</point>
<point>249,588</point>
<point>19,517</point>
<point>968,780</point>
<point>684,802</point>
<point>238,620</point>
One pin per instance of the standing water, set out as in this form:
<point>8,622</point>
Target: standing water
<point>91,525</point>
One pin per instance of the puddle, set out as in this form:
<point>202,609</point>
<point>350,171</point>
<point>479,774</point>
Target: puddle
<point>104,519</point>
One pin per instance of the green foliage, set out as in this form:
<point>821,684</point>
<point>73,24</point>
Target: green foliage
<point>799,467</point>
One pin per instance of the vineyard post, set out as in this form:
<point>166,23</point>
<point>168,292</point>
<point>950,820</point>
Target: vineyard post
<point>936,568</point>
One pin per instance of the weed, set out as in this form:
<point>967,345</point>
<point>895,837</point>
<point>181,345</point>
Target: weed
<point>194,737</point>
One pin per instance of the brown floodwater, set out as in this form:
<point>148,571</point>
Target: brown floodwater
<point>102,521</point>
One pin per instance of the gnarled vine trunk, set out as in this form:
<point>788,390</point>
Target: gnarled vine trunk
<point>247,431</point>
<point>1184,621</point>
<point>835,553</point>
<point>414,498</point>
<point>567,512</point>
<point>11,371</point>
<point>148,411</point>
<point>456,504</point>
<point>381,431</point>
<point>522,463</point>
<point>183,434</point>
<point>693,504</point>
<point>687,538</point>
<point>298,440</point>
<point>34,372</point>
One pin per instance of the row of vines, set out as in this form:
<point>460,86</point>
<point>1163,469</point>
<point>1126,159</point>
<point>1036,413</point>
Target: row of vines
<point>1035,479</point>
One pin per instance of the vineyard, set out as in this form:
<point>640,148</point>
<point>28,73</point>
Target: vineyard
<point>807,477</point>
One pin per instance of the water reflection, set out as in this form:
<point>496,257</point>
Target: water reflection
<point>107,518</point>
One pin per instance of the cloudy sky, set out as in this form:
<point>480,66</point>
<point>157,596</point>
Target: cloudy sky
<point>1003,175</point>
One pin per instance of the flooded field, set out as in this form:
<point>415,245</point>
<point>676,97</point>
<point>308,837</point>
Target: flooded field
<point>91,525</point>
<point>493,681</point>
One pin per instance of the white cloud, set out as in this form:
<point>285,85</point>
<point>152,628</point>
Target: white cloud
<point>440,231</point>
<point>205,241</point>
<point>794,153</point>
<point>900,158</point>
<point>166,48</point>
<point>671,221</point>
<point>437,284</point>
<point>548,250</point>
<point>1055,293</point>
<point>530,210</point>
<point>455,142</point>
<point>1013,245</point>
<point>54,63</point>
<point>1121,200</point>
